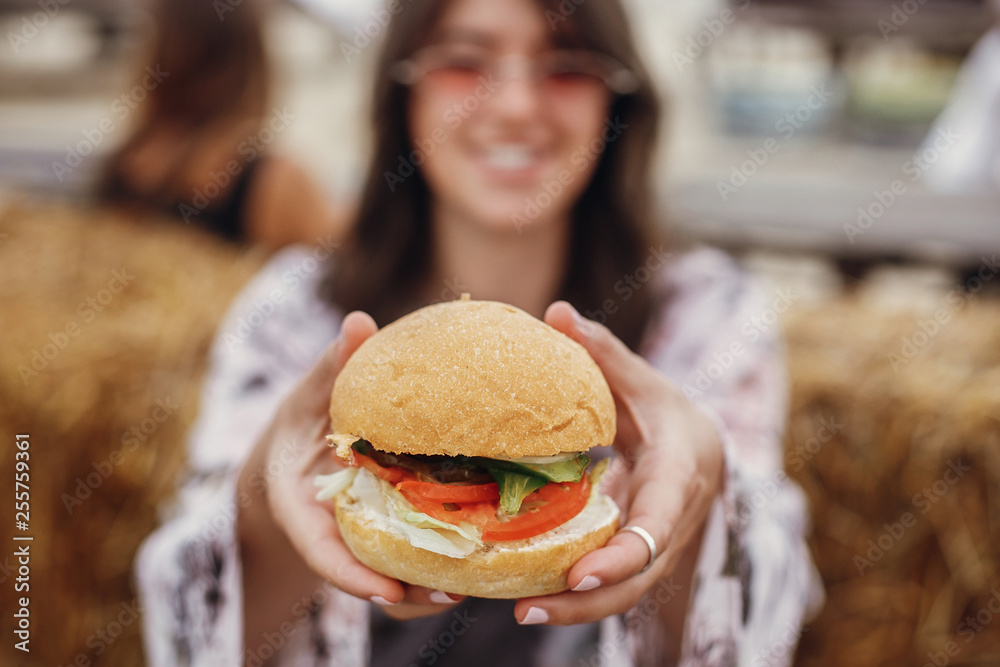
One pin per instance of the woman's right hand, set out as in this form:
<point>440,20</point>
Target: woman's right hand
<point>284,528</point>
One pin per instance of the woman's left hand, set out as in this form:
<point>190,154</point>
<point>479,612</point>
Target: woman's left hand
<point>665,478</point>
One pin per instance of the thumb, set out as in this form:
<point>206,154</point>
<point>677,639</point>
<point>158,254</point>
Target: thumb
<point>623,369</point>
<point>313,392</point>
<point>355,330</point>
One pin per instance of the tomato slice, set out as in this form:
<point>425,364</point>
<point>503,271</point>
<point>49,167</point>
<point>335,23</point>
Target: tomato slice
<point>391,474</point>
<point>547,508</point>
<point>449,493</point>
<point>478,514</point>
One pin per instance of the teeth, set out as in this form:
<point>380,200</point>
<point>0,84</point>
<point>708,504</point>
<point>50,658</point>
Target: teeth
<point>509,157</point>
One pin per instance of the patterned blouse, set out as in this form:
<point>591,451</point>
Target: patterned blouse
<point>717,338</point>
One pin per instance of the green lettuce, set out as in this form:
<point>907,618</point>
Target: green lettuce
<point>514,488</point>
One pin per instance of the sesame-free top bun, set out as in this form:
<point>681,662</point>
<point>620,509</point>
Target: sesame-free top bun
<point>477,378</point>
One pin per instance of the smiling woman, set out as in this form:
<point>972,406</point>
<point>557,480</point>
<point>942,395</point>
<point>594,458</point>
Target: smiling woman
<point>485,120</point>
<point>511,158</point>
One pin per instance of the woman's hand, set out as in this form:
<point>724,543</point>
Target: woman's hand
<point>291,530</point>
<point>665,479</point>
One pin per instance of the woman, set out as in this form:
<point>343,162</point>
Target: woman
<point>199,150</point>
<point>511,161</point>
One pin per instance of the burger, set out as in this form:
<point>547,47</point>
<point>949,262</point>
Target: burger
<point>465,427</point>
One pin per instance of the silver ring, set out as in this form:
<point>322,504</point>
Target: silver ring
<point>648,539</point>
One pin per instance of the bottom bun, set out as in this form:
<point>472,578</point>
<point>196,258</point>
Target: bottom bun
<point>516,569</point>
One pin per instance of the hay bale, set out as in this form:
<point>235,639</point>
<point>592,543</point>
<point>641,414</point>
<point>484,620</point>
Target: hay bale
<point>103,321</point>
<point>905,495</point>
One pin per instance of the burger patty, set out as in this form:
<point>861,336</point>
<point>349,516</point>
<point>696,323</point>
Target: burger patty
<point>434,468</point>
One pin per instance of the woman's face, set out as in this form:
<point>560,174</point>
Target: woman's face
<point>506,151</point>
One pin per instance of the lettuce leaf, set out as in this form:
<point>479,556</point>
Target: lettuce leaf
<point>331,485</point>
<point>514,488</point>
<point>566,469</point>
<point>421,530</point>
<point>426,532</point>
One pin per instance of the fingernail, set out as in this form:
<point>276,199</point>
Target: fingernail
<point>440,597</point>
<point>378,599</point>
<point>588,583</point>
<point>583,325</point>
<point>535,616</point>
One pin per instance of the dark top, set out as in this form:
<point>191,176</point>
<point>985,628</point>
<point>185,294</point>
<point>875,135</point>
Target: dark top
<point>478,633</point>
<point>220,205</point>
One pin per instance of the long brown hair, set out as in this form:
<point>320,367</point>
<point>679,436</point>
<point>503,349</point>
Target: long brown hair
<point>212,72</point>
<point>385,262</point>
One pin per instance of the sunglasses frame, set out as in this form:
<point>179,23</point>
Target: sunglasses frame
<point>620,80</point>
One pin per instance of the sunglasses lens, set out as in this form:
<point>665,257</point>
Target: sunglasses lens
<point>453,79</point>
<point>571,75</point>
<point>454,73</point>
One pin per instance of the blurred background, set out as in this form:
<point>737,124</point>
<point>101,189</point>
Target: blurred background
<point>847,151</point>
